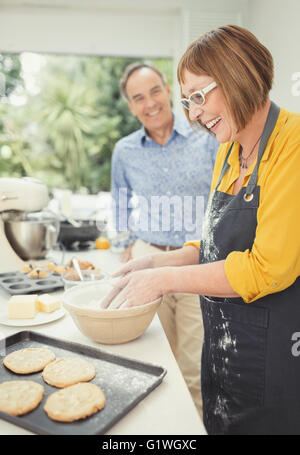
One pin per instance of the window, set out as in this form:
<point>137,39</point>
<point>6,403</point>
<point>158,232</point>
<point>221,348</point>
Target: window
<point>61,116</point>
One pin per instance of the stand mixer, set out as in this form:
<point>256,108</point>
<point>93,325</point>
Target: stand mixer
<point>18,197</point>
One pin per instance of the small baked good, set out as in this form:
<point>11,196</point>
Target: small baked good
<point>28,360</point>
<point>84,265</point>
<point>38,273</point>
<point>73,275</point>
<point>68,371</point>
<point>51,266</point>
<point>20,397</point>
<point>61,269</point>
<point>75,402</point>
<point>28,268</point>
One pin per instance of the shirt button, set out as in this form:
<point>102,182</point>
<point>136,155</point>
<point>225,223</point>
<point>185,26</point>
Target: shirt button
<point>274,284</point>
<point>166,169</point>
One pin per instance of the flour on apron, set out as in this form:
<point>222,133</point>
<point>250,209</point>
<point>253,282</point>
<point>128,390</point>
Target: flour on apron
<point>221,408</point>
<point>211,219</point>
<point>226,342</point>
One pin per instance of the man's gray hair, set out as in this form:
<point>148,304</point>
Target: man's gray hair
<point>134,67</point>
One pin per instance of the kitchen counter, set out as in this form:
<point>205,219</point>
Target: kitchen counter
<point>169,409</point>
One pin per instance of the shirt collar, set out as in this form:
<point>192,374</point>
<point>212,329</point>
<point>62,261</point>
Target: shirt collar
<point>143,135</point>
<point>181,126</point>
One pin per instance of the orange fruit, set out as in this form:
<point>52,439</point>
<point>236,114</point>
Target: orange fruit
<point>102,243</point>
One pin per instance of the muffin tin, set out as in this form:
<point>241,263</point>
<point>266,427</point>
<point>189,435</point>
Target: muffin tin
<point>16,283</point>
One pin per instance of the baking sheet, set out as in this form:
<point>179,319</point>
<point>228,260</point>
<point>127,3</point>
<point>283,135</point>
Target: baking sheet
<point>125,382</point>
<point>16,283</point>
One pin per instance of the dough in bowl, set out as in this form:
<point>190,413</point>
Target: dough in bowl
<point>28,360</point>
<point>74,402</point>
<point>67,371</point>
<point>20,397</point>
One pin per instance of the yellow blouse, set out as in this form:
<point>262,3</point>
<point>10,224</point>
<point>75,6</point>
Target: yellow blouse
<point>273,263</point>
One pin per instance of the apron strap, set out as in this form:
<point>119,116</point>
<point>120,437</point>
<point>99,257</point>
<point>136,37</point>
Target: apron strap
<point>225,166</point>
<point>267,131</point>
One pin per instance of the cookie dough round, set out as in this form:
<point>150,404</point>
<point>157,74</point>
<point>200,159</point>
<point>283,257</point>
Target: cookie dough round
<point>20,397</point>
<point>75,402</point>
<point>28,360</point>
<point>68,371</point>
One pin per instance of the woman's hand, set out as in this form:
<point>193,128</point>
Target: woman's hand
<point>127,254</point>
<point>138,288</point>
<point>183,256</point>
<point>145,262</point>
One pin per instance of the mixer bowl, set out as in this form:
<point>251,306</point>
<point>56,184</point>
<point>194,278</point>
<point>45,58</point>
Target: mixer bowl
<point>32,238</point>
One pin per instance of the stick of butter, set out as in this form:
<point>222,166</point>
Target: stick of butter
<point>22,306</point>
<point>47,303</point>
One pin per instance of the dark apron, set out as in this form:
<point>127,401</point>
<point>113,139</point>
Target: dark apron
<point>250,364</point>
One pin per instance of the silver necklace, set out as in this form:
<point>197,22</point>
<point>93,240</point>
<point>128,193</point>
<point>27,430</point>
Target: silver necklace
<point>244,161</point>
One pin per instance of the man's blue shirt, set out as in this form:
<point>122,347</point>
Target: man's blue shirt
<point>160,191</point>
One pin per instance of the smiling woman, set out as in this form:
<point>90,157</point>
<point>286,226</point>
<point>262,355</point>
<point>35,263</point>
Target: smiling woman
<point>245,268</point>
<point>241,65</point>
<point>213,115</point>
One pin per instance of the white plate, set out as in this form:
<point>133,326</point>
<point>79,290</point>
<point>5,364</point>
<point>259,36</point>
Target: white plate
<point>41,318</point>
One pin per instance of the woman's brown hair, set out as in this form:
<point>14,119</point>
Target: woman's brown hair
<point>240,65</point>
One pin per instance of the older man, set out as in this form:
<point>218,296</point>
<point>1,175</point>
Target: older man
<point>160,184</point>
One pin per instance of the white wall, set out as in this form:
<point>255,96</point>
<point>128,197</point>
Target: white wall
<point>109,27</point>
<point>86,31</point>
<point>137,28</point>
<point>276,23</point>
<point>155,28</point>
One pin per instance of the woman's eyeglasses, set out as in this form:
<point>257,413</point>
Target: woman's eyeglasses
<point>197,97</point>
